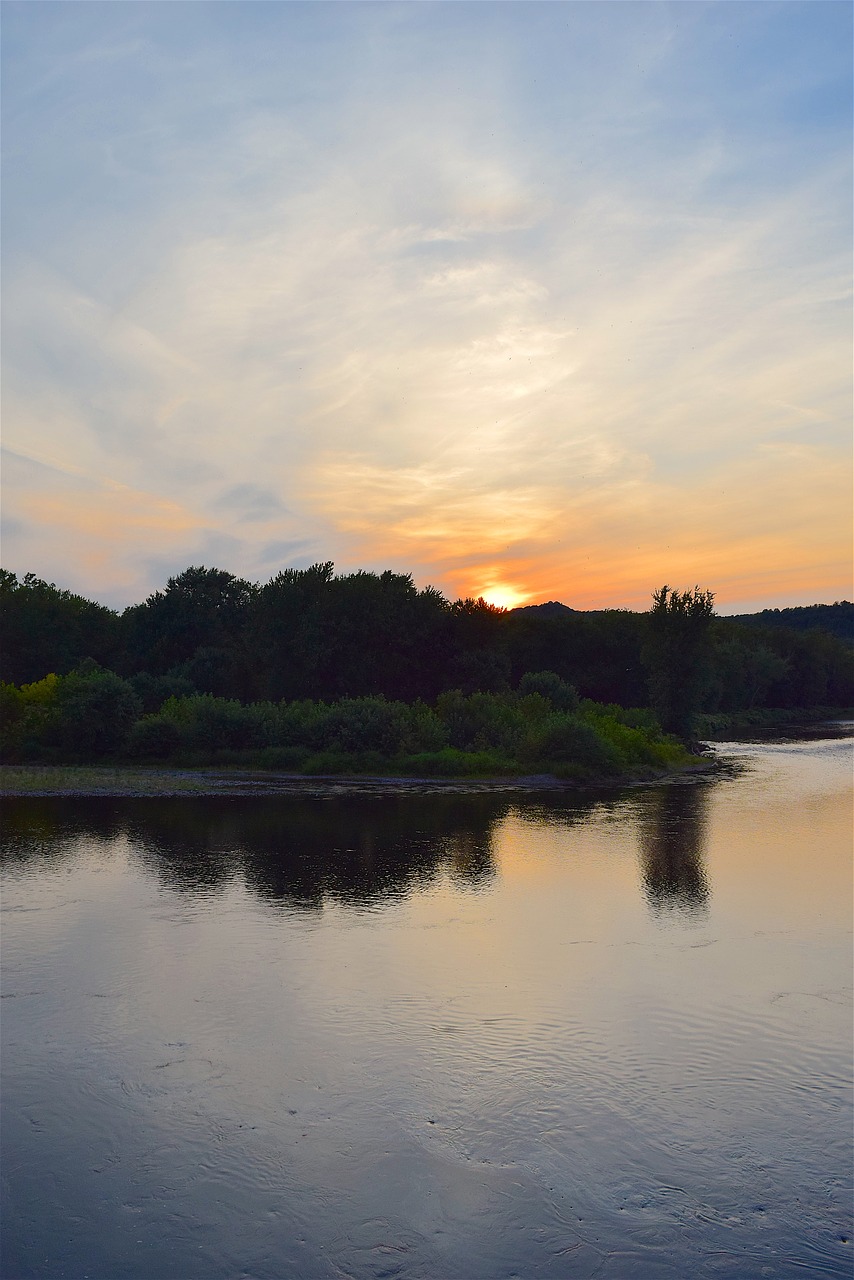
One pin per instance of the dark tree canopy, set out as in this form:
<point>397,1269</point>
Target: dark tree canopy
<point>677,655</point>
<point>45,628</point>
<point>309,633</point>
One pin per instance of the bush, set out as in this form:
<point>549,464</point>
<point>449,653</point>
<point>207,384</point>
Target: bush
<point>298,724</point>
<point>154,738</point>
<point>635,717</point>
<point>566,739</point>
<point>31,719</point>
<point>154,690</point>
<point>11,716</point>
<point>372,724</point>
<point>287,758</point>
<point>480,721</point>
<point>562,696</point>
<point>95,713</point>
<point>343,762</point>
<point>206,723</point>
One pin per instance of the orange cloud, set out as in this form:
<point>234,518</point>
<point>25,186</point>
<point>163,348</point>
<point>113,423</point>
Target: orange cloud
<point>747,532</point>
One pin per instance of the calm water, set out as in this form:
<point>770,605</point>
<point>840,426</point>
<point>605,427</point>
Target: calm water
<point>474,1036</point>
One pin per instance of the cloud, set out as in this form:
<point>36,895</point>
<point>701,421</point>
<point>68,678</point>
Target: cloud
<point>250,502</point>
<point>497,302</point>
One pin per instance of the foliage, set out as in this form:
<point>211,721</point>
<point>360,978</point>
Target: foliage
<point>309,640</point>
<point>567,739</point>
<point>205,723</point>
<point>95,713</point>
<point>391,728</point>
<point>200,610</point>
<point>836,619</point>
<point>28,717</point>
<point>677,655</point>
<point>85,715</point>
<point>154,690</point>
<point>743,672</point>
<point>92,713</point>
<point>560,693</point>
<point>154,737</point>
<point>46,629</point>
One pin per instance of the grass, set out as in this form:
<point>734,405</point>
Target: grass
<point>93,780</point>
<point>224,776</point>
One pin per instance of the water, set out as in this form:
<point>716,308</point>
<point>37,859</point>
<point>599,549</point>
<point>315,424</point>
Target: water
<point>402,1035</point>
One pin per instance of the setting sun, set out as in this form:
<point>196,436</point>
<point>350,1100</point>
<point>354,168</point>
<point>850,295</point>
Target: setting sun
<point>412,341</point>
<point>505,597</point>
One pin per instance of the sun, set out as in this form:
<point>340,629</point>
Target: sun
<point>504,597</point>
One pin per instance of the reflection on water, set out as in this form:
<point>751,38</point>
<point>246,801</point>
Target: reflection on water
<point>356,849</point>
<point>672,838</point>
<point>361,850</point>
<point>435,1037</point>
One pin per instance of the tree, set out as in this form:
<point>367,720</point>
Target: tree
<point>200,609</point>
<point>48,629</point>
<point>96,710</point>
<point>677,655</point>
<point>549,685</point>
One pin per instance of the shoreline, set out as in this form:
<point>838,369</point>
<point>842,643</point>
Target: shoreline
<point>91,781</point>
<point>85,781</point>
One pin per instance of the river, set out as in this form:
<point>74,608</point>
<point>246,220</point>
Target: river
<point>434,1036</point>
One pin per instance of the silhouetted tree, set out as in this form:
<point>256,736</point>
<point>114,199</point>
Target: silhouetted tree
<point>200,609</point>
<point>677,655</point>
<point>309,634</point>
<point>48,629</point>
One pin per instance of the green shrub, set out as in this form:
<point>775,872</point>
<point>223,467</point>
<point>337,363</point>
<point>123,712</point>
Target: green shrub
<point>635,717</point>
<point>343,762</point>
<point>206,723</point>
<point>95,712</point>
<point>154,737</point>
<point>566,739</point>
<point>154,690</point>
<point>373,724</point>
<point>480,721</point>
<point>299,724</point>
<point>548,684</point>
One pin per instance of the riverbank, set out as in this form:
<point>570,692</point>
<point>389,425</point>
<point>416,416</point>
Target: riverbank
<point>764,722</point>
<point>95,780</point>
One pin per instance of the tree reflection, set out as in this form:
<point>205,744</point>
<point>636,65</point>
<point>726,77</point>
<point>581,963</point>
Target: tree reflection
<point>49,829</point>
<point>361,850</point>
<point>296,851</point>
<point>672,840</point>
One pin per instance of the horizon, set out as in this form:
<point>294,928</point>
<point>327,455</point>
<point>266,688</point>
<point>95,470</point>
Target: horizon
<point>119,608</point>
<point>534,302</point>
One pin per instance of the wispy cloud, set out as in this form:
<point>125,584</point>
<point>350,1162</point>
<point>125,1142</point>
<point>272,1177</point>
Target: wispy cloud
<point>532,297</point>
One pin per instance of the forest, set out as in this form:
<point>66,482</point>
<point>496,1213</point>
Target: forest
<point>317,671</point>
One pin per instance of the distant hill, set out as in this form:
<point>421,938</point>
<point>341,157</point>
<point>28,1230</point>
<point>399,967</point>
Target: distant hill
<point>836,618</point>
<point>552,608</point>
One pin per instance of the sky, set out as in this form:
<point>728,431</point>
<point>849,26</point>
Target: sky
<point>535,301</point>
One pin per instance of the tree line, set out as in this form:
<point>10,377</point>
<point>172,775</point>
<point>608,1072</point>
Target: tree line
<point>312,635</point>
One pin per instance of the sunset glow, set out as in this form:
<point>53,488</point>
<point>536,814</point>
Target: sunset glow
<point>504,597</point>
<point>537,302</point>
